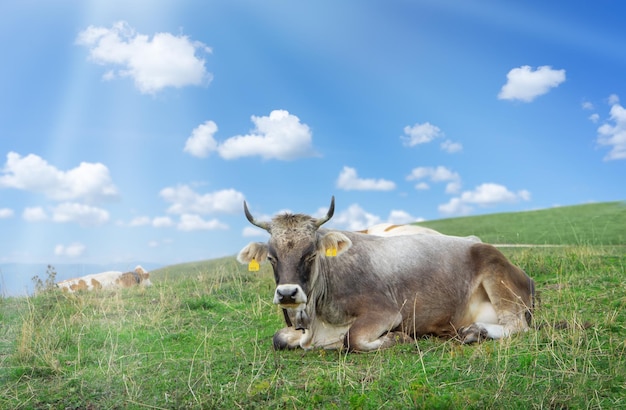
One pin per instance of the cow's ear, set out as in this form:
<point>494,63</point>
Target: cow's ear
<point>334,244</point>
<point>254,250</point>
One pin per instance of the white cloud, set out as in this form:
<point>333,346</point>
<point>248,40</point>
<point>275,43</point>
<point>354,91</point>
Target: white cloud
<point>453,187</point>
<point>201,142</point>
<point>613,133</point>
<point>278,136</point>
<point>491,194</point>
<point>349,180</point>
<point>420,134</point>
<point>139,221</point>
<point>436,174</point>
<point>525,84</point>
<point>72,250</point>
<point>34,214</point>
<point>162,222</point>
<point>586,105</point>
<point>82,214</point>
<point>250,231</point>
<point>89,181</point>
<point>162,242</point>
<point>451,147</point>
<point>6,213</point>
<point>425,133</point>
<point>488,194</point>
<point>109,75</point>
<point>594,117</point>
<point>165,60</point>
<point>613,99</point>
<point>189,222</point>
<point>354,218</point>
<point>455,207</point>
<point>399,217</point>
<point>185,200</point>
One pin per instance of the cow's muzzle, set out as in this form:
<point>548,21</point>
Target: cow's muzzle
<point>289,296</point>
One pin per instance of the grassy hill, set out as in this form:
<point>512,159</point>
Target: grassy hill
<point>589,224</point>
<point>201,338</point>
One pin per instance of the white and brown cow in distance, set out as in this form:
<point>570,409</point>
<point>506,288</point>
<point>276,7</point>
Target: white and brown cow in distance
<point>387,229</point>
<point>107,280</point>
<point>379,291</point>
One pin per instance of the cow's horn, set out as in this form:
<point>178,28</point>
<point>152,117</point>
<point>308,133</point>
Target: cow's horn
<point>319,222</point>
<point>262,225</point>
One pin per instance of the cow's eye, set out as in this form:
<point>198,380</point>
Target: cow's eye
<point>271,259</point>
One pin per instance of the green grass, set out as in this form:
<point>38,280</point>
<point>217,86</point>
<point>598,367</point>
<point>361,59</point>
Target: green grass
<point>201,338</point>
<point>590,224</point>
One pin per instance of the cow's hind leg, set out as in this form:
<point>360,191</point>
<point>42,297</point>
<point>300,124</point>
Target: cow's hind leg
<point>503,301</point>
<point>507,314</point>
<point>375,331</point>
<point>483,318</point>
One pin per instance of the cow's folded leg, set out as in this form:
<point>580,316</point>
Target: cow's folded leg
<point>375,331</point>
<point>287,338</point>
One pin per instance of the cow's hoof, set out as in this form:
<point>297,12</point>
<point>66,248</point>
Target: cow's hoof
<point>287,338</point>
<point>472,334</point>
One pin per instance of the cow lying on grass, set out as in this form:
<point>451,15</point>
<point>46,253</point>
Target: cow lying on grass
<point>107,280</point>
<point>366,292</point>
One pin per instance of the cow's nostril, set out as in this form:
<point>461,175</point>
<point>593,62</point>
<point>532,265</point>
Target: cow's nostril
<point>287,293</point>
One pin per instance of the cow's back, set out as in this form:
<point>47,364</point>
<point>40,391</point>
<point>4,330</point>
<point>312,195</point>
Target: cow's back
<point>411,257</point>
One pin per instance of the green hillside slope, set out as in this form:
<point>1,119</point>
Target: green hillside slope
<point>589,224</point>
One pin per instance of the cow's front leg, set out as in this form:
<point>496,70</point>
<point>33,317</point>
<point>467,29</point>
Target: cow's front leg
<point>287,338</point>
<point>374,331</point>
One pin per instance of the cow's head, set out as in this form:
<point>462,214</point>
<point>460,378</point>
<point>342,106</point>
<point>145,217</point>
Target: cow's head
<point>294,247</point>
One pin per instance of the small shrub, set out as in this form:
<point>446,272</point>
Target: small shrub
<point>48,283</point>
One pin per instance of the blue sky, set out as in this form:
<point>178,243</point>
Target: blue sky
<point>131,131</point>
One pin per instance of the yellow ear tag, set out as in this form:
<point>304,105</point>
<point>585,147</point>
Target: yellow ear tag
<point>331,251</point>
<point>253,266</point>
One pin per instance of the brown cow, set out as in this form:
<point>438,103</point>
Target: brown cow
<point>365,292</point>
